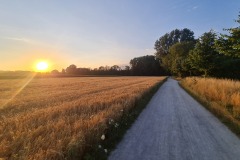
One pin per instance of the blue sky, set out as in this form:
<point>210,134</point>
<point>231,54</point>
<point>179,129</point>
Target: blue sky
<point>91,33</point>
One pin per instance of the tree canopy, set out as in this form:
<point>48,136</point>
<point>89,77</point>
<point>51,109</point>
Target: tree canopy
<point>146,65</point>
<point>163,44</point>
<point>203,55</point>
<point>230,44</point>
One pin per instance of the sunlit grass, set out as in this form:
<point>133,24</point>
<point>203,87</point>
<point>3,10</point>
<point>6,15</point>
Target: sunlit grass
<point>221,96</point>
<point>58,117</point>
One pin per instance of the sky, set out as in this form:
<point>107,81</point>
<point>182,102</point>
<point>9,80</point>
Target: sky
<point>92,33</point>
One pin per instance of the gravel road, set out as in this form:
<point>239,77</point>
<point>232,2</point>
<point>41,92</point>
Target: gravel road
<point>175,126</point>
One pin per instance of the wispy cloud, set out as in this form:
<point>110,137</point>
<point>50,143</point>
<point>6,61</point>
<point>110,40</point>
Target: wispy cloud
<point>195,7</point>
<point>18,39</point>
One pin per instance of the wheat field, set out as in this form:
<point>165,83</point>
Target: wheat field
<point>54,118</point>
<point>222,95</point>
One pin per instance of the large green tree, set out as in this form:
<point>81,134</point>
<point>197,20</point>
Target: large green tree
<point>230,44</point>
<point>178,54</point>
<point>202,57</point>
<point>163,44</point>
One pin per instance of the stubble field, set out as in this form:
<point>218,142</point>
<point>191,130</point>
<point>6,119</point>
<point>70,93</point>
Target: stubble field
<point>54,118</point>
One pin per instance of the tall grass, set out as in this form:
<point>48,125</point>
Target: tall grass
<point>221,96</point>
<point>59,118</point>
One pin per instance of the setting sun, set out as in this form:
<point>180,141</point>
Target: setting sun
<point>42,66</point>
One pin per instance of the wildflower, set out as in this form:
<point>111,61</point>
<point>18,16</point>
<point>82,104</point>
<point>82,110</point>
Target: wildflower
<point>99,146</point>
<point>116,125</point>
<point>105,150</point>
<point>111,121</point>
<point>103,137</point>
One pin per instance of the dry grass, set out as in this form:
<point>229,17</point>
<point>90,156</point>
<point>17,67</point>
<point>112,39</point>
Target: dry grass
<point>222,96</point>
<point>55,118</point>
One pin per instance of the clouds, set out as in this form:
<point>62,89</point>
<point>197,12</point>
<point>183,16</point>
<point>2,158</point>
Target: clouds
<point>19,39</point>
<point>195,7</point>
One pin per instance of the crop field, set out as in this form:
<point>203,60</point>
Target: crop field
<point>222,96</point>
<point>54,118</point>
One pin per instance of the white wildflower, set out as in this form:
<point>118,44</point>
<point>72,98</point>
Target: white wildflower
<point>111,121</point>
<point>105,150</point>
<point>116,125</point>
<point>103,137</point>
<point>99,146</point>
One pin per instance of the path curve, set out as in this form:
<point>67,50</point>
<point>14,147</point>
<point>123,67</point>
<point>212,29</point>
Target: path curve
<point>175,127</point>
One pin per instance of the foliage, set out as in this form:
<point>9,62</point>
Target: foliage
<point>230,44</point>
<point>145,65</point>
<point>72,69</point>
<point>163,44</point>
<point>209,55</point>
<point>203,55</point>
<point>178,58</point>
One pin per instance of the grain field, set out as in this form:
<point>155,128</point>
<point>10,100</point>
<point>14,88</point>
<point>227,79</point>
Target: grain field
<point>55,118</point>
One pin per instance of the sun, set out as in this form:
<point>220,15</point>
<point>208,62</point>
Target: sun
<point>42,66</point>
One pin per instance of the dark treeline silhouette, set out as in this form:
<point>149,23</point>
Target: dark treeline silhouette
<point>146,66</point>
<point>140,66</point>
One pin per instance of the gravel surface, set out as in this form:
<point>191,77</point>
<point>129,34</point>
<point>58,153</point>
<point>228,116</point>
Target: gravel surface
<point>175,126</point>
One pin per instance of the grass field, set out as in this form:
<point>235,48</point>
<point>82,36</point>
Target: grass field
<point>56,118</point>
<point>221,96</point>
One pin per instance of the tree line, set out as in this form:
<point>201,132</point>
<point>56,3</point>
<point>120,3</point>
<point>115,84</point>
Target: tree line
<point>212,54</point>
<point>178,53</point>
<point>140,66</point>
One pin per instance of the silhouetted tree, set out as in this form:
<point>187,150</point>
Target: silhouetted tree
<point>115,68</point>
<point>127,68</point>
<point>72,69</point>
<point>145,65</point>
<point>101,68</point>
<point>63,71</point>
<point>55,71</point>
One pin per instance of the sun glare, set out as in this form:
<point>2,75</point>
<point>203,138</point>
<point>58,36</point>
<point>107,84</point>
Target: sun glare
<point>42,66</point>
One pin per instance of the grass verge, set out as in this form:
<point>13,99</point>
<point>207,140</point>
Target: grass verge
<point>116,130</point>
<point>215,109</point>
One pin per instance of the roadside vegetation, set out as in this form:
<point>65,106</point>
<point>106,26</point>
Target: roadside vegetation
<point>210,55</point>
<point>220,96</point>
<point>64,118</point>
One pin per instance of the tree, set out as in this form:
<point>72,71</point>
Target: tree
<point>178,54</point>
<point>72,69</point>
<point>101,68</point>
<point>127,68</point>
<point>145,65</point>
<point>202,57</point>
<point>230,44</point>
<point>115,68</point>
<point>63,71</point>
<point>163,44</point>
<point>55,71</point>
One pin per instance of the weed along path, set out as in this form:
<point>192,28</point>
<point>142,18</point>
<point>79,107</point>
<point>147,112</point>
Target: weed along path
<point>176,127</point>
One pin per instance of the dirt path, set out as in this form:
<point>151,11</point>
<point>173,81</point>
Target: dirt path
<point>175,126</point>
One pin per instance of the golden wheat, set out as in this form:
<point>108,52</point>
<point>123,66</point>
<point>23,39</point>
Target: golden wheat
<point>52,117</point>
<point>223,95</point>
